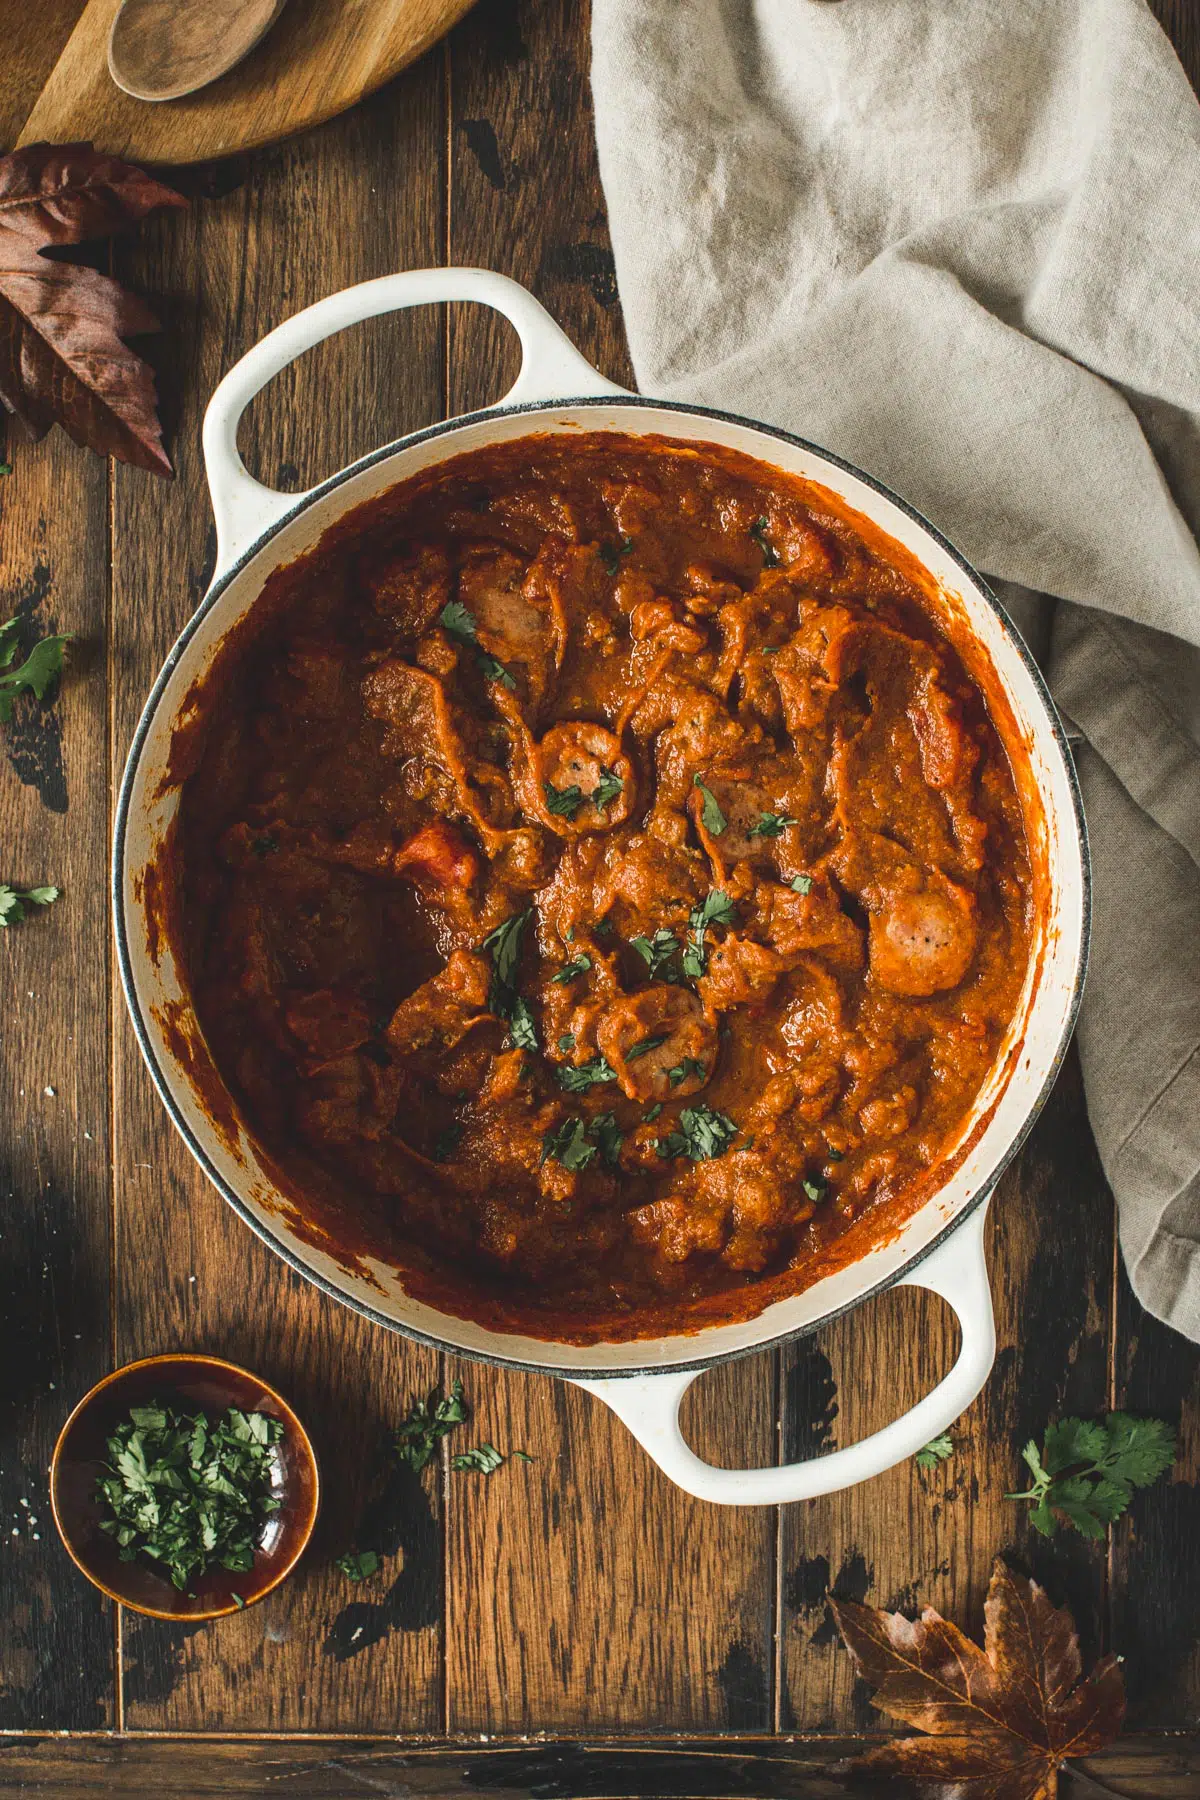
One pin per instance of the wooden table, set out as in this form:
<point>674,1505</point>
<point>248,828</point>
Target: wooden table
<point>580,1597</point>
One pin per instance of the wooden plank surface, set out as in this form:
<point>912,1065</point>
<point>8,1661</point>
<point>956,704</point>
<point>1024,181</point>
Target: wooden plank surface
<point>55,1201</point>
<point>318,1652</point>
<point>687,1769</point>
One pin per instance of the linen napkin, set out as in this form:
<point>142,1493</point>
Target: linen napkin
<point>959,244</point>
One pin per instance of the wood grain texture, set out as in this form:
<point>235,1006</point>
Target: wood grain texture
<point>322,57</point>
<point>55,1204</point>
<point>572,1585</point>
<point>688,1769</point>
<point>33,40</point>
<point>912,1537</point>
<point>318,1652</point>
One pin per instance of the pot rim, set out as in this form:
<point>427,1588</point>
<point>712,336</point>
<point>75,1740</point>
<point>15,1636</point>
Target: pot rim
<point>149,1051</point>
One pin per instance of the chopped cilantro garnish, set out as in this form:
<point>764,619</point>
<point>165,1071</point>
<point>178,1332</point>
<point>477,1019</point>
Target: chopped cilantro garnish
<point>563,802</point>
<point>356,1565</point>
<point>522,1028</point>
<point>568,1145</point>
<point>758,531</point>
<point>771,825</point>
<point>645,1046</point>
<point>504,947</point>
<point>659,953</point>
<point>428,1421</point>
<point>579,966</point>
<point>802,884</point>
<point>447,1142</point>
<point>611,554</point>
<point>711,816</point>
<point>458,621</point>
<point>608,1136</point>
<point>834,1155</point>
<point>716,909</point>
<point>938,1449</point>
<point>816,1190</point>
<point>566,1041</point>
<point>587,1075</point>
<point>683,1071</point>
<point>607,788</point>
<point>649,1117</point>
<point>701,1134</point>
<point>190,1491</point>
<point>484,1459</point>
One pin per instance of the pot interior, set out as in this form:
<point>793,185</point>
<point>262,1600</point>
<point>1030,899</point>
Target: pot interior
<point>156,986</point>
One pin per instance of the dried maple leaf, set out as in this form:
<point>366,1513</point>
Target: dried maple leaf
<point>61,323</point>
<point>1003,1719</point>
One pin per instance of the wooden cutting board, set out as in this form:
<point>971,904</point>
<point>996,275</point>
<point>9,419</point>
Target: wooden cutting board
<point>321,57</point>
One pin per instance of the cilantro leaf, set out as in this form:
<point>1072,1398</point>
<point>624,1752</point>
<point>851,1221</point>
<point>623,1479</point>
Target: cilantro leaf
<point>816,1188</point>
<point>427,1423</point>
<point>458,622</point>
<point>589,1074</point>
<point>690,1066</point>
<point>659,953</point>
<point>356,1565</point>
<point>568,1145</point>
<point>485,1459</point>
<point>645,1046</point>
<point>711,816</point>
<point>447,1142</point>
<point>15,902</point>
<point>579,966</point>
<point>607,788</point>
<point>702,1134</point>
<point>608,1137</point>
<point>504,947</point>
<point>566,1042</point>
<point>1086,1470</point>
<point>802,884</point>
<point>758,531</point>
<point>35,675</point>
<point>522,1029</point>
<point>563,802</point>
<point>937,1450</point>
<point>611,554</point>
<point>716,909</point>
<point>771,825</point>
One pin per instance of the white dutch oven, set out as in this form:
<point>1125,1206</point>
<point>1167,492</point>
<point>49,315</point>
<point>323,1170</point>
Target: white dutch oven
<point>941,1246</point>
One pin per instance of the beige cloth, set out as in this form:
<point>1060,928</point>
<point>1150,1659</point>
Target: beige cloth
<point>956,241</point>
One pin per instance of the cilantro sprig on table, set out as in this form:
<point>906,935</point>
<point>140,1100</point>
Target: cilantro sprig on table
<point>458,622</point>
<point>938,1450</point>
<point>1086,1471</point>
<point>189,1491</point>
<point>35,675</point>
<point>15,902</point>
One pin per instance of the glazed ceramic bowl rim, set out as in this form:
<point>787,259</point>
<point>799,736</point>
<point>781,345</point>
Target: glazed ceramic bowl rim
<point>293,1426</point>
<point>487,415</point>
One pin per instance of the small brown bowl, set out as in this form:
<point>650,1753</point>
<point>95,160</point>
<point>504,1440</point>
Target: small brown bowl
<point>196,1382</point>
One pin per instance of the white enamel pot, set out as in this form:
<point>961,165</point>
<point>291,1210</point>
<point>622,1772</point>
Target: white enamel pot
<point>941,1246</point>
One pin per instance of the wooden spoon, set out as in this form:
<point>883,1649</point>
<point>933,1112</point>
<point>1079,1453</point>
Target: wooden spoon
<point>160,49</point>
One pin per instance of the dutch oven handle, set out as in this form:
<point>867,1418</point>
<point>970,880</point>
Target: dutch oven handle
<point>551,369</point>
<point>649,1404</point>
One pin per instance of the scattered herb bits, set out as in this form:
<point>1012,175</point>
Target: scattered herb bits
<point>611,554</point>
<point>427,1423</point>
<point>190,1492</point>
<point>717,909</point>
<point>770,555</point>
<point>937,1450</point>
<point>578,966</point>
<point>356,1565</point>
<point>458,622</point>
<point>771,825</point>
<point>659,953</point>
<point>701,1135</point>
<point>36,675</point>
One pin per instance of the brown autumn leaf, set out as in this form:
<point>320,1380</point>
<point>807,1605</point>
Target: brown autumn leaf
<point>61,323</point>
<point>1002,1720</point>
